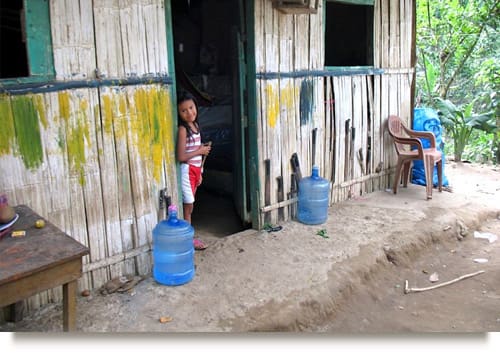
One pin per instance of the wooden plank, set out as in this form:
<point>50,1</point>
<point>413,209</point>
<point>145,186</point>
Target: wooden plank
<point>331,134</point>
<point>361,149</point>
<point>35,283</point>
<point>73,39</point>
<point>140,24</point>
<point>286,109</point>
<point>270,121</point>
<point>301,42</point>
<point>69,306</point>
<point>394,34</point>
<point>337,151</point>
<point>384,34</point>
<point>377,34</point>
<point>259,32</point>
<point>381,88</point>
<point>373,131</point>
<point>403,32</point>
<point>318,123</point>
<point>110,59</point>
<point>357,122</point>
<point>315,33</point>
<point>77,119</point>
<point>263,153</point>
<point>110,113</point>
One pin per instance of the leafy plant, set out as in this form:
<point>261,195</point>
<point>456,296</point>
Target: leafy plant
<point>322,233</point>
<point>480,148</point>
<point>460,122</point>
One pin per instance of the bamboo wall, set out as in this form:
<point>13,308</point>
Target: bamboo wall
<point>92,160</point>
<point>356,156</point>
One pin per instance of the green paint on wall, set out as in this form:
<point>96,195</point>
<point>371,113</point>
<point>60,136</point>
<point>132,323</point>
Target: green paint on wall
<point>8,133</point>
<point>27,130</point>
<point>142,118</point>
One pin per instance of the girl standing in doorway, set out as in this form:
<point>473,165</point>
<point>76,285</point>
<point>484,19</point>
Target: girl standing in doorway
<point>190,152</point>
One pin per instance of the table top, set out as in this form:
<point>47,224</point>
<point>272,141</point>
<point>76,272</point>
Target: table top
<point>39,249</point>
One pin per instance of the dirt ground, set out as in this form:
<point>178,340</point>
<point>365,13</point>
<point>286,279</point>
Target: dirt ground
<point>350,282</point>
<point>380,305</point>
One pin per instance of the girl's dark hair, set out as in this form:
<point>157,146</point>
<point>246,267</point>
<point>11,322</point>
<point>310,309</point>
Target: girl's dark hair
<point>182,97</point>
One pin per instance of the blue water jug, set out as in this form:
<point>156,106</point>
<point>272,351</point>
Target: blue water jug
<point>313,199</point>
<point>173,250</point>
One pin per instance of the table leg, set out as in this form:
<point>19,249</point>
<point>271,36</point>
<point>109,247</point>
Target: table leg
<point>69,306</point>
<point>14,312</point>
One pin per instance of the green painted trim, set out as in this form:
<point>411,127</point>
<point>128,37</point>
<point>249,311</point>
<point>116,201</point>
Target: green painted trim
<point>39,40</point>
<point>253,159</point>
<point>173,94</point>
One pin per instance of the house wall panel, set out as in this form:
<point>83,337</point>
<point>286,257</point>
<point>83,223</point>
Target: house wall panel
<point>347,112</point>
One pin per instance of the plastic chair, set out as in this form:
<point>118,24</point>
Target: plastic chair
<point>408,148</point>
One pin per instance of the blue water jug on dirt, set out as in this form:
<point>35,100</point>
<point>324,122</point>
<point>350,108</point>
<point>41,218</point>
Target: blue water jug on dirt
<point>173,250</point>
<point>313,199</point>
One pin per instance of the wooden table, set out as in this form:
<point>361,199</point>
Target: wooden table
<point>42,259</point>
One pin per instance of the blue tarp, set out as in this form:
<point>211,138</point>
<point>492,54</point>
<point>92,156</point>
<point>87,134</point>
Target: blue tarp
<point>427,119</point>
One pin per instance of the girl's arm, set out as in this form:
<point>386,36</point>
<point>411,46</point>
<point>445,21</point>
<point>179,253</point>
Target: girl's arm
<point>182,155</point>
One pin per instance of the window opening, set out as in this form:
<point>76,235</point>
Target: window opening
<point>348,34</point>
<point>25,42</point>
<point>14,58</point>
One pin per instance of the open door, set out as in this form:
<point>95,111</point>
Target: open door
<point>209,53</point>
<point>240,125</point>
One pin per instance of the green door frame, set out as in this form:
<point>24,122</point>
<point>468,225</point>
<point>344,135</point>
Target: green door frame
<point>253,154</point>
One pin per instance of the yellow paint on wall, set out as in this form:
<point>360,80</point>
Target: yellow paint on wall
<point>40,108</point>
<point>287,96</point>
<point>64,109</point>
<point>272,103</point>
<point>142,118</point>
<point>107,113</point>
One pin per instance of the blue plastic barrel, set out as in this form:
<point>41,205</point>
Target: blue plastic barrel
<point>173,250</point>
<point>313,199</point>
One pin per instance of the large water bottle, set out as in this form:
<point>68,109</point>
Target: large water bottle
<point>173,250</point>
<point>313,199</point>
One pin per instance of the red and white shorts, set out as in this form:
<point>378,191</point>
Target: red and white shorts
<point>190,176</point>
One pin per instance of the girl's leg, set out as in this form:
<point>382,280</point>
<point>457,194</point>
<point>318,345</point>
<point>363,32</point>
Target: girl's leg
<point>188,210</point>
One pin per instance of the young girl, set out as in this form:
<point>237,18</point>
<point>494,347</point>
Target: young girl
<point>190,153</point>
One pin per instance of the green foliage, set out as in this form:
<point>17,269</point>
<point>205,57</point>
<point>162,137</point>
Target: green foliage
<point>458,48</point>
<point>458,59</point>
<point>459,122</point>
<point>480,148</point>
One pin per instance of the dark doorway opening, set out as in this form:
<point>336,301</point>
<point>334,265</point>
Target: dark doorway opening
<point>205,56</point>
<point>14,57</point>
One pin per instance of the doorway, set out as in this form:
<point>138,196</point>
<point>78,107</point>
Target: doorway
<point>208,64</point>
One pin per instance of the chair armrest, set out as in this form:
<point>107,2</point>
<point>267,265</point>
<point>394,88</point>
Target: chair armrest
<point>412,142</point>
<point>422,134</point>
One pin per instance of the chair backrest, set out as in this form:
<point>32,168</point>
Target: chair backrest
<point>395,127</point>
